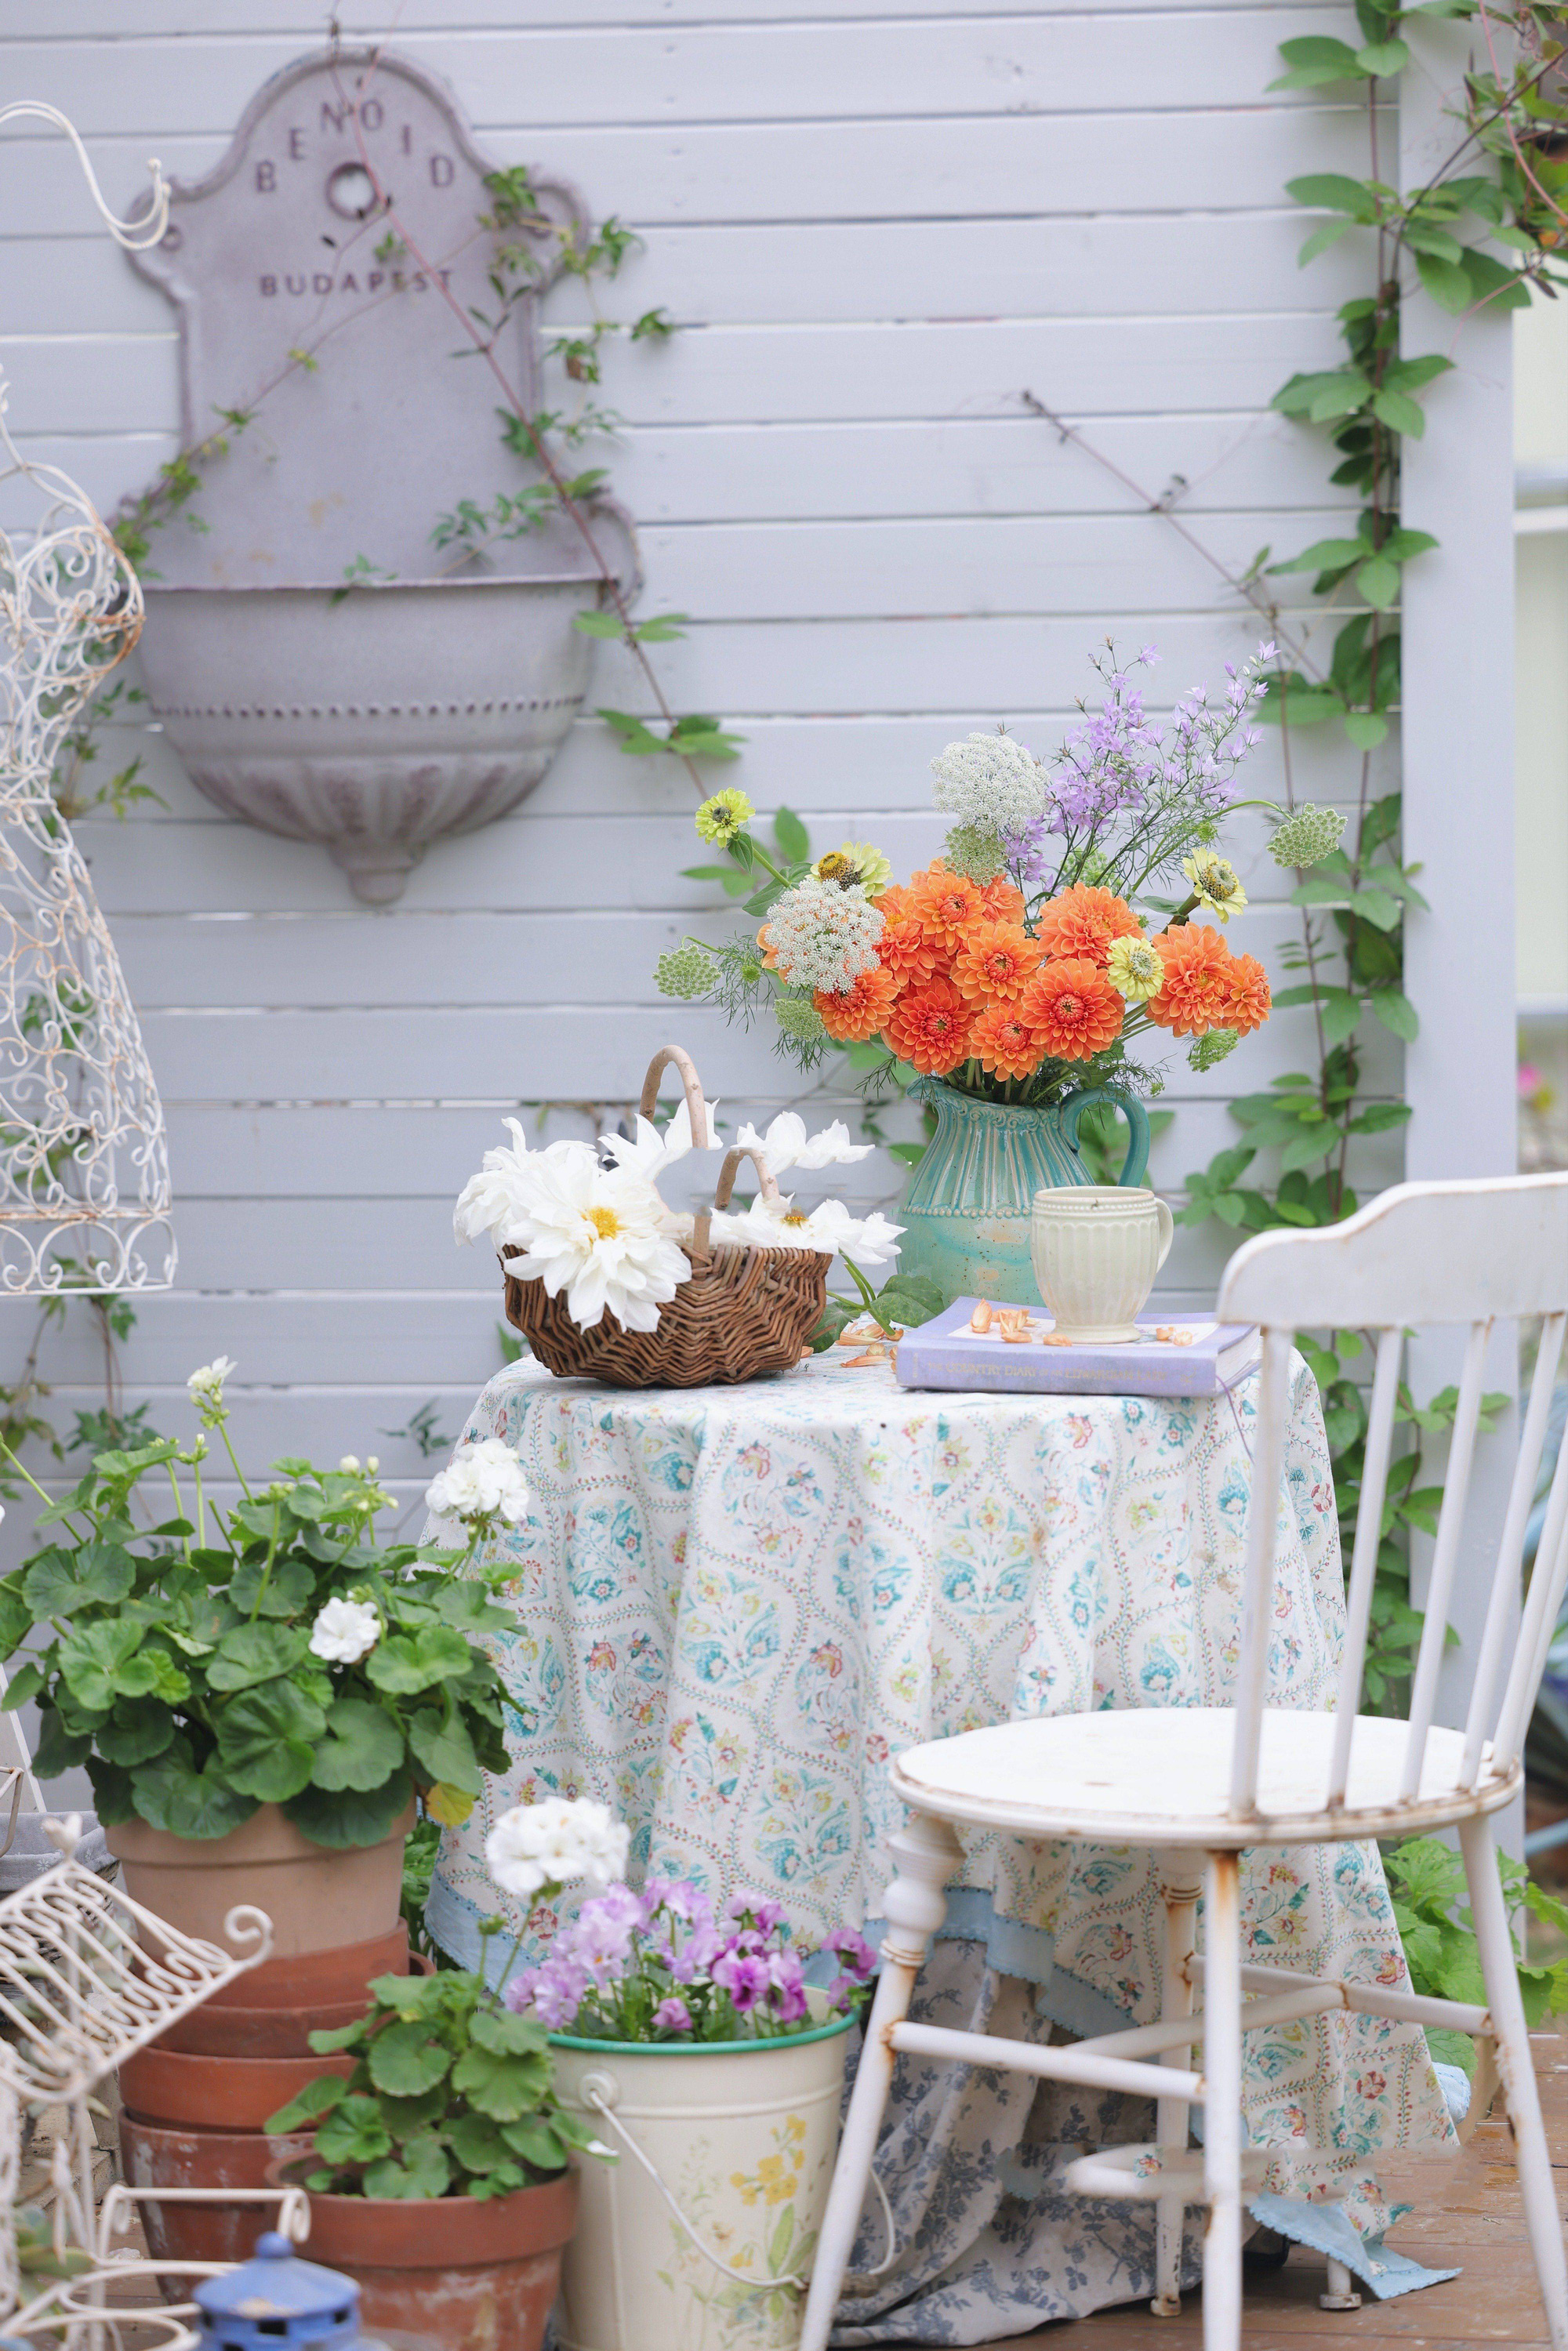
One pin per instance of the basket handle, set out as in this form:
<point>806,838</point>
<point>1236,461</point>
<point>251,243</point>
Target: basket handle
<point>767,1183</point>
<point>670,1056</point>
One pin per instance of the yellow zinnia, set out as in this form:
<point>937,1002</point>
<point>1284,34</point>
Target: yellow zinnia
<point>1134,969</point>
<point>855,865</point>
<point>1215,885</point>
<point>721,817</point>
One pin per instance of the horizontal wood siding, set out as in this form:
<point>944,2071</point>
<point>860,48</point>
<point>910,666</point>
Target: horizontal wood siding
<point>877,229</point>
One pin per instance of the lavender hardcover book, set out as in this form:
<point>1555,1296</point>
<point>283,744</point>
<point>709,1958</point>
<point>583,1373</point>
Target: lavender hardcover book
<point>1174,1355</point>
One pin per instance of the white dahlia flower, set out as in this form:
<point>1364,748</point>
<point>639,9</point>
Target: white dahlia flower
<point>787,1144</point>
<point>498,1195</point>
<point>604,1236</point>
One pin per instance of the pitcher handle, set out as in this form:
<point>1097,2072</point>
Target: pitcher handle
<point>1135,1166</point>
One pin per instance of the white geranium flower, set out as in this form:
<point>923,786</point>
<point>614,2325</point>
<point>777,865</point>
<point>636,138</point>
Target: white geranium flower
<point>556,1844</point>
<point>350,1464</point>
<point>787,1144</point>
<point>603,1235</point>
<point>499,1194</point>
<point>653,1149</point>
<point>828,1228</point>
<point>208,1381</point>
<point>481,1482</point>
<point>345,1631</point>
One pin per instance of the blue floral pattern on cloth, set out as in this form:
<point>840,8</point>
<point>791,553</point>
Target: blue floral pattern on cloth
<point>735,1604</point>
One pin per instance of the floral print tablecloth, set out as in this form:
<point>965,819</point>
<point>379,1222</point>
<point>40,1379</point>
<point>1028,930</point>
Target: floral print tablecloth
<point>735,1604</point>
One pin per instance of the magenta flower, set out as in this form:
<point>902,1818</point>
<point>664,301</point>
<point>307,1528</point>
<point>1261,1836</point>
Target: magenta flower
<point>787,1984</point>
<point>763,1914</point>
<point>557,1991</point>
<point>742,1975</point>
<point>852,1951</point>
<point>672,2015</point>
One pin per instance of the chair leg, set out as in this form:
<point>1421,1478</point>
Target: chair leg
<point>1180,1889</point>
<point>1532,2153</point>
<point>1222,2104</point>
<point>926,1854</point>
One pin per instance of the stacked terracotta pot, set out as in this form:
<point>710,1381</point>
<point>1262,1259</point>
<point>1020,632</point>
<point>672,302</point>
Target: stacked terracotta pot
<point>196,2100</point>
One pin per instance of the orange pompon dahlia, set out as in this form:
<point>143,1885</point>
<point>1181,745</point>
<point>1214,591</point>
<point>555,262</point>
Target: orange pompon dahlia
<point>1246,1006</point>
<point>1085,921</point>
<point>1072,1010</point>
<point>1003,899</point>
<point>1199,981</point>
<point>944,905</point>
<point>851,1019</point>
<point>1004,1044</point>
<point>993,960</point>
<point>904,946</point>
<point>929,1028</point>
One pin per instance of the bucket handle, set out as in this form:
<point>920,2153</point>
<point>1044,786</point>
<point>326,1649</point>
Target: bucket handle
<point>599,2091</point>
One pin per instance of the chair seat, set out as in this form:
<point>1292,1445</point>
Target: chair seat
<point>1161,1775</point>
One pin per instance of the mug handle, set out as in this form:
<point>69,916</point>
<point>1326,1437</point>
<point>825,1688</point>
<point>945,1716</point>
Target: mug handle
<point>1135,1166</point>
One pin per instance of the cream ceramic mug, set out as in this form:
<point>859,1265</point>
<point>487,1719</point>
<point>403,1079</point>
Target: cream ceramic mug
<point>1096,1249</point>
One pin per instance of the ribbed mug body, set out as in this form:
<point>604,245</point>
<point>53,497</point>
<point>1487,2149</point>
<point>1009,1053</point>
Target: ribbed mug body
<point>1096,1249</point>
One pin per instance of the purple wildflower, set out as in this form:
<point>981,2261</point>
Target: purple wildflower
<point>787,1987</point>
<point>742,1975</point>
<point>557,1991</point>
<point>853,1952</point>
<point>672,2015</point>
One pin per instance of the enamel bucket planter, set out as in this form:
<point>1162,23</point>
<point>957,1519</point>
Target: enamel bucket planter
<point>742,2136</point>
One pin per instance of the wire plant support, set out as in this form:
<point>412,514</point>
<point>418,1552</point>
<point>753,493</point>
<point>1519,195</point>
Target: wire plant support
<point>85,1195</point>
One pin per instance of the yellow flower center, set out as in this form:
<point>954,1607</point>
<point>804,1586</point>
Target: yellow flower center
<point>605,1222</point>
<point>796,1217</point>
<point>836,867</point>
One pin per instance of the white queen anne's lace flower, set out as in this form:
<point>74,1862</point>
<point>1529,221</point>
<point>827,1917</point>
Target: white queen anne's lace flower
<point>788,1145</point>
<point>557,1844</point>
<point>991,782</point>
<point>821,936</point>
<point>345,1631</point>
<point>482,1481</point>
<point>602,1235</point>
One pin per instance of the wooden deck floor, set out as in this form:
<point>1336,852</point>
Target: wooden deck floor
<point>1467,2214</point>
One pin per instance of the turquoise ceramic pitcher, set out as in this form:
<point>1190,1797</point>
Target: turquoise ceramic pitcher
<point>966,1211</point>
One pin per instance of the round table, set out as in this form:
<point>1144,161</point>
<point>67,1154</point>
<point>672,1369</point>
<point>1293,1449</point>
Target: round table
<point>733,1604</point>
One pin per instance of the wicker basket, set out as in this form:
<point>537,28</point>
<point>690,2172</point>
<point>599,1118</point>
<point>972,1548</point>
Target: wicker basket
<point>741,1312</point>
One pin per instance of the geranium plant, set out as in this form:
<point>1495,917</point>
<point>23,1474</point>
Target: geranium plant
<point>1033,955</point>
<point>451,2089</point>
<point>272,1650</point>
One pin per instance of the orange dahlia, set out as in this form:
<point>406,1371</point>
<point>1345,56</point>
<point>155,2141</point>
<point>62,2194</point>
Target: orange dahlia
<point>766,946</point>
<point>1199,981</point>
<point>904,946</point>
<point>1003,899</point>
<point>929,1028</point>
<point>1083,922</point>
<point>1072,1008</point>
<point>1004,1044</point>
<point>945,903</point>
<point>851,1019</point>
<point>993,960</point>
<point>1246,1006</point>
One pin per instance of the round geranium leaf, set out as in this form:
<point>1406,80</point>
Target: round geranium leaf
<point>405,2060</point>
<point>362,1747</point>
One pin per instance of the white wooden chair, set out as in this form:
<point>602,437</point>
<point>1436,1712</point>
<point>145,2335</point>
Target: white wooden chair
<point>1200,1783</point>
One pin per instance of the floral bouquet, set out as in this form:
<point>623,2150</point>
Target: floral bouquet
<point>1031,958</point>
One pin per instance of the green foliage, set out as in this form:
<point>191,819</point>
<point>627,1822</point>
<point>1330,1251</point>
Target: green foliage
<point>450,2094</point>
<point>904,1302</point>
<point>181,1671</point>
<point>1436,1927</point>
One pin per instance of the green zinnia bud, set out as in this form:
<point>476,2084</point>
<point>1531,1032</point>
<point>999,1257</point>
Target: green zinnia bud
<point>686,970</point>
<point>1307,836</point>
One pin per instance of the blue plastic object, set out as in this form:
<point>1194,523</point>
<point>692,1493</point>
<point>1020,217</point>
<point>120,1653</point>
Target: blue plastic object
<point>275,2300</point>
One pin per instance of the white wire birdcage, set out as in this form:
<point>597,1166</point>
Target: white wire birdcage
<point>84,1169</point>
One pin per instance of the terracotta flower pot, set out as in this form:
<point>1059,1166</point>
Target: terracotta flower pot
<point>453,2273</point>
<point>154,2157</point>
<point>217,2094</point>
<point>317,1898</point>
<point>276,2029</point>
<point>328,1976</point>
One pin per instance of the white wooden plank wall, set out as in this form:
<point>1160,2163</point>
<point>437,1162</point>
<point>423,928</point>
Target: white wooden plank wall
<point>877,224</point>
